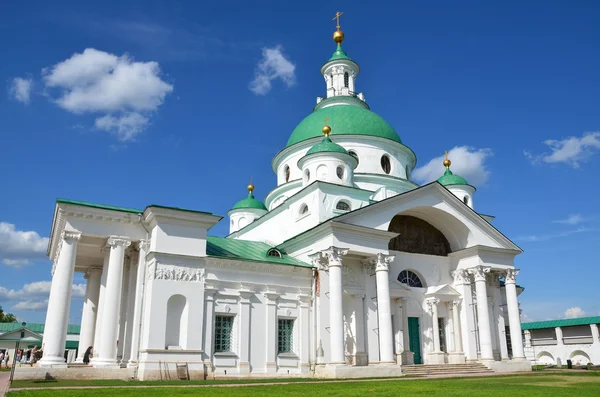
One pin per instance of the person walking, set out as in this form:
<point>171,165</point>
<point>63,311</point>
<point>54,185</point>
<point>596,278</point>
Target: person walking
<point>87,355</point>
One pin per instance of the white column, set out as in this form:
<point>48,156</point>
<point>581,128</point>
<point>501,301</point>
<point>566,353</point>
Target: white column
<point>462,283</point>
<point>483,314</point>
<point>595,334</point>
<point>405,335</point>
<point>137,305</point>
<point>358,328</point>
<point>351,81</point>
<point>514,318</point>
<point>112,300</point>
<point>433,310</point>
<point>305,330</point>
<point>271,332</point>
<point>333,256</point>
<point>500,323</point>
<point>90,311</point>
<point>59,302</point>
<point>245,304</point>
<point>209,298</point>
<point>456,326</point>
<point>99,315</point>
<point>559,336</point>
<point>384,311</point>
<point>527,338</point>
<point>123,308</point>
<point>131,294</point>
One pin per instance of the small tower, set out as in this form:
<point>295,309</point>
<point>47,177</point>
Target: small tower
<point>245,211</point>
<point>339,73</point>
<point>328,162</point>
<point>457,184</point>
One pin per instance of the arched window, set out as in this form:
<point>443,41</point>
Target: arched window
<point>303,209</point>
<point>353,154</point>
<point>286,172</point>
<point>417,236</point>
<point>307,175</point>
<point>274,253</point>
<point>385,164</point>
<point>346,79</point>
<point>342,206</point>
<point>466,200</point>
<point>411,279</point>
<point>340,172</point>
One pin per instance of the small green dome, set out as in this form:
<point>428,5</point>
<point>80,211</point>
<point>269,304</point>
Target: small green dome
<point>344,120</point>
<point>451,179</point>
<point>249,202</point>
<point>339,54</point>
<point>326,145</point>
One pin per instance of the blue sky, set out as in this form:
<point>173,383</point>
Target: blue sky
<point>512,86</point>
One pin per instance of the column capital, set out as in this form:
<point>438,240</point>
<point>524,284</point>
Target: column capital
<point>431,302</point>
<point>143,245</point>
<point>479,272</point>
<point>510,276</point>
<point>271,297</point>
<point>381,261</point>
<point>461,276</point>
<point>456,304</point>
<point>330,257</point>
<point>71,235</point>
<point>115,241</point>
<point>88,273</point>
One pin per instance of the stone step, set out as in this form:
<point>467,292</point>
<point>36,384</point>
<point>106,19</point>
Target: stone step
<point>445,369</point>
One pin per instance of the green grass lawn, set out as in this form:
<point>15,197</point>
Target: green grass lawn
<point>544,384</point>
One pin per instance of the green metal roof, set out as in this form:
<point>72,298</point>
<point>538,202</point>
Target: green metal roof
<point>567,322</point>
<point>451,179</point>
<point>249,202</point>
<point>254,251</point>
<point>339,54</point>
<point>326,145</point>
<point>343,120</point>
<point>72,344</point>
<point>35,327</point>
<point>101,206</point>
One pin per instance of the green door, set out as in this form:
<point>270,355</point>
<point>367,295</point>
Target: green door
<point>414,335</point>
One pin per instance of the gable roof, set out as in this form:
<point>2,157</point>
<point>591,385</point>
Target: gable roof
<point>15,336</point>
<point>567,322</point>
<point>254,251</point>
<point>35,327</point>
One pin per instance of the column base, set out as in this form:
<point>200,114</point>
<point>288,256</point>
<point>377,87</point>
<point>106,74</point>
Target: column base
<point>456,358</point>
<point>436,358</point>
<point>407,358</point>
<point>52,362</point>
<point>271,367</point>
<point>244,367</point>
<point>132,364</point>
<point>360,359</point>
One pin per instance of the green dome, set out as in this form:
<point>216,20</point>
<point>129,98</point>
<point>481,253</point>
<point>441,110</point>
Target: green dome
<point>450,179</point>
<point>249,202</point>
<point>344,120</point>
<point>326,145</point>
<point>339,54</point>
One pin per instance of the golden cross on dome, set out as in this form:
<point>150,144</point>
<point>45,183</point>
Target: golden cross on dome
<point>446,154</point>
<point>326,120</point>
<point>337,19</point>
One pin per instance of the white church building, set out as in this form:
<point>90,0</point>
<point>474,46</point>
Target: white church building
<point>348,268</point>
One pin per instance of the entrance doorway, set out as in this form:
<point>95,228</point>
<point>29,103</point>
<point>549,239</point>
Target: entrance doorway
<point>414,335</point>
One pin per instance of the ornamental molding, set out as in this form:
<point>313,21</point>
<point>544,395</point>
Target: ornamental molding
<point>174,273</point>
<point>143,245</point>
<point>382,262</point>
<point>461,276</point>
<point>116,241</point>
<point>349,277</point>
<point>510,276</point>
<point>431,302</point>
<point>72,235</point>
<point>479,272</point>
<point>334,255</point>
<point>237,266</point>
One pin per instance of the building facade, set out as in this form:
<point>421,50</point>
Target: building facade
<point>554,342</point>
<point>349,267</point>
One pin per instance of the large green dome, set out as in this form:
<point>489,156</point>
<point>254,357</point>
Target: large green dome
<point>344,120</point>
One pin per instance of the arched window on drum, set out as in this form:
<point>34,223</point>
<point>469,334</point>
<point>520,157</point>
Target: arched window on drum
<point>411,279</point>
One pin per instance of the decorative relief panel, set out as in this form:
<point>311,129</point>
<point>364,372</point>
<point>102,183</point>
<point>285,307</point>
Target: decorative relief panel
<point>350,277</point>
<point>175,273</point>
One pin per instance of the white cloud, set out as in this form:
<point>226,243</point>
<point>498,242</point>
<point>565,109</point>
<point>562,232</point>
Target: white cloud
<point>574,312</point>
<point>32,306</point>
<point>273,65</point>
<point>572,150</point>
<point>20,89</point>
<point>572,219</point>
<point>37,289</point>
<point>126,127</point>
<point>124,91</point>
<point>467,162</point>
<point>18,247</point>
<point>550,236</point>
<point>16,263</point>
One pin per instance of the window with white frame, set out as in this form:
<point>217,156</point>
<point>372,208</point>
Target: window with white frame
<point>223,333</point>
<point>285,336</point>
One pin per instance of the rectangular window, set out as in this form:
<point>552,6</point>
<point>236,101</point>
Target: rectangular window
<point>223,333</point>
<point>285,336</point>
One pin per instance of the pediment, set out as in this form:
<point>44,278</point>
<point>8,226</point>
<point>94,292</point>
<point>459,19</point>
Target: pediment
<point>436,205</point>
<point>444,291</point>
<point>16,335</point>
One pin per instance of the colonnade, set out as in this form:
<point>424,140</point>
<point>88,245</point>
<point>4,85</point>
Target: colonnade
<point>106,312</point>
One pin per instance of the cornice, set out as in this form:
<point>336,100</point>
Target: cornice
<point>480,249</point>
